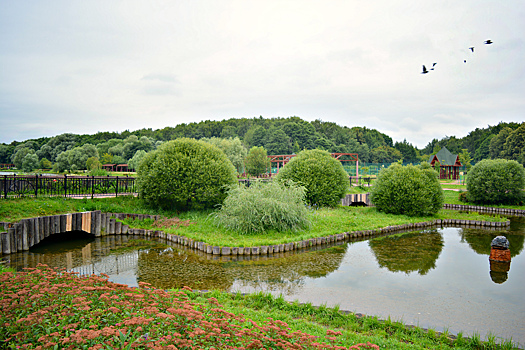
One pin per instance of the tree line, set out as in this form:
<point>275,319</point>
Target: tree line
<point>71,152</point>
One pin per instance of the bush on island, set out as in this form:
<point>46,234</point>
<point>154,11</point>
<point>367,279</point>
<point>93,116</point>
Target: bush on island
<point>264,206</point>
<point>323,177</point>
<point>409,190</point>
<point>496,181</point>
<point>185,174</point>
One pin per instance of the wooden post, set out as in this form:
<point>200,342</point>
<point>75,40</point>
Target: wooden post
<point>6,242</point>
<point>12,239</point>
<point>30,233</point>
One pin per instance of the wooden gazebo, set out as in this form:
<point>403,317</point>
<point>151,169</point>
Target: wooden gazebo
<point>449,164</point>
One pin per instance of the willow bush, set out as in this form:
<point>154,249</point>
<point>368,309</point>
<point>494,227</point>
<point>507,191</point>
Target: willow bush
<point>496,181</point>
<point>409,190</point>
<point>185,174</point>
<point>323,177</point>
<point>264,206</point>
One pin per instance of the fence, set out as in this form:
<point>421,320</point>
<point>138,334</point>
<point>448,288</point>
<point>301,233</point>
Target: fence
<point>12,186</point>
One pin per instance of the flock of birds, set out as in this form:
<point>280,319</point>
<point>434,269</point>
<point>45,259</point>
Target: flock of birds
<point>425,70</point>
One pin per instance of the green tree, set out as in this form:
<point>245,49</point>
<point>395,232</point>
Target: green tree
<point>229,132</point>
<point>407,190</point>
<point>104,147</point>
<point>45,164</point>
<point>185,174</point>
<point>118,160</point>
<point>106,159</point>
<point>464,158</point>
<point>57,145</point>
<point>134,162</point>
<point>233,148</point>
<point>277,142</point>
<point>78,156</point>
<point>257,162</point>
<point>62,162</point>
<point>496,181</point>
<point>30,162</point>
<point>132,144</point>
<point>497,143</point>
<point>6,151</point>
<point>323,177</point>
<point>514,147</point>
<point>408,151</point>
<point>385,154</point>
<point>483,151</point>
<point>256,137</point>
<point>18,157</point>
<point>93,163</point>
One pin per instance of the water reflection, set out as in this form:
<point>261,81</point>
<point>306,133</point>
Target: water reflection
<point>479,241</point>
<point>434,278</point>
<point>179,267</point>
<point>408,252</point>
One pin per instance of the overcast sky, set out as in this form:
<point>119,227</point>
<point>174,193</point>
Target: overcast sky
<point>88,66</point>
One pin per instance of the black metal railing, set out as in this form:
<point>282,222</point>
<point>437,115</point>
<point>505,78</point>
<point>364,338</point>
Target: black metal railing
<point>66,186</point>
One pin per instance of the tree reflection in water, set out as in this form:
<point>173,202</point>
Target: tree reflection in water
<point>175,268</point>
<point>479,240</point>
<point>408,252</point>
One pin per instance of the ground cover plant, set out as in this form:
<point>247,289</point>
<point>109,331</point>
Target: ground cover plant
<point>409,190</point>
<point>45,308</point>
<point>264,206</point>
<point>323,177</point>
<point>185,174</point>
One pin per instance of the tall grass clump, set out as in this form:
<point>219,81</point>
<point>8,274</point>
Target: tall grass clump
<point>262,207</point>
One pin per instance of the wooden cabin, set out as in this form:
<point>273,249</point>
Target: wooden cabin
<point>449,164</point>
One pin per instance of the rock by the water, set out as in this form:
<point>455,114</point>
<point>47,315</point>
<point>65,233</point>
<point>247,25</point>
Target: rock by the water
<point>500,242</point>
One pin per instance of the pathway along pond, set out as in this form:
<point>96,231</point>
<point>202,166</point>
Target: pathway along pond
<point>436,278</point>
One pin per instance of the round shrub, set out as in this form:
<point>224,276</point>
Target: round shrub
<point>496,181</point>
<point>263,207</point>
<point>185,174</point>
<point>408,190</point>
<point>323,177</point>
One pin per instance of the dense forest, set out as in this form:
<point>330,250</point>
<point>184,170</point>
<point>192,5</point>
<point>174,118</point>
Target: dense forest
<point>276,135</point>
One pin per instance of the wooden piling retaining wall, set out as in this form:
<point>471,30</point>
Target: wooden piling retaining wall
<point>29,232</point>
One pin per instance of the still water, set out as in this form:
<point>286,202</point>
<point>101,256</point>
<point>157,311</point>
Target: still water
<point>438,278</point>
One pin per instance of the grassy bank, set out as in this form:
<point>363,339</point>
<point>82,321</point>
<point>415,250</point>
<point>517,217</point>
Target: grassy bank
<point>66,311</point>
<point>200,225</point>
<point>452,197</point>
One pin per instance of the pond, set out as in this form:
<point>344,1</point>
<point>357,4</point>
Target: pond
<point>437,278</point>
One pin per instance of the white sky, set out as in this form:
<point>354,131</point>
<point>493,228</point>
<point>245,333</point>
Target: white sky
<point>86,66</point>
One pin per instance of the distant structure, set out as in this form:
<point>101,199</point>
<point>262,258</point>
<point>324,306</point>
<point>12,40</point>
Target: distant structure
<point>116,167</point>
<point>448,164</point>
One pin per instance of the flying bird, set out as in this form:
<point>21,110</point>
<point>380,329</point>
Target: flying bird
<point>425,71</point>
<point>488,42</point>
<point>433,65</point>
<point>471,48</point>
